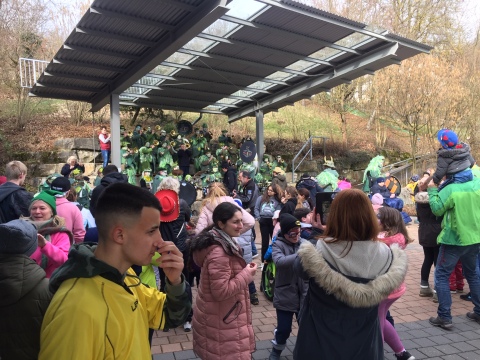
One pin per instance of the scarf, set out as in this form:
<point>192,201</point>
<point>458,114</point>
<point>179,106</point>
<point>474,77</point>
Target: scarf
<point>225,241</point>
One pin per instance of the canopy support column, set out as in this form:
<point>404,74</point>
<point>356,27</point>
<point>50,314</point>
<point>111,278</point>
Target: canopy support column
<point>259,136</point>
<point>115,130</point>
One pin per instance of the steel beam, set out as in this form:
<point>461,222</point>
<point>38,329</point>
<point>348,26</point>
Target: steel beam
<point>385,54</point>
<point>289,34</point>
<point>202,17</point>
<point>105,35</point>
<point>168,107</point>
<point>264,49</point>
<point>100,52</point>
<point>130,18</point>
<point>230,59</point>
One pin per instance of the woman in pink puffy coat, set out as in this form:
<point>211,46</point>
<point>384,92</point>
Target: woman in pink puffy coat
<point>222,321</point>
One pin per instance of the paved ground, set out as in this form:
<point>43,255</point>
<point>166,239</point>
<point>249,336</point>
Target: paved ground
<point>411,314</point>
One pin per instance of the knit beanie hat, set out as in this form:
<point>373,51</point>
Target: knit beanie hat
<point>18,237</point>
<point>377,199</point>
<point>380,179</point>
<point>447,138</point>
<point>48,198</point>
<point>62,184</point>
<point>288,222</point>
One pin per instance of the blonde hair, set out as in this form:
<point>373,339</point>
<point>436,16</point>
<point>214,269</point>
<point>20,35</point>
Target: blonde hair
<point>14,170</point>
<point>169,183</point>
<point>70,158</point>
<point>215,191</point>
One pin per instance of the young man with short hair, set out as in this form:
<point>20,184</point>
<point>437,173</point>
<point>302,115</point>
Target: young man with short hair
<point>100,309</point>
<point>14,199</point>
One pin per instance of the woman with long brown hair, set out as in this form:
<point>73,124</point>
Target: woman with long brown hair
<point>265,207</point>
<point>350,272</point>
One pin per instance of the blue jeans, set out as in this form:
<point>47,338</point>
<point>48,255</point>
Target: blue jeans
<point>448,257</point>
<point>254,247</point>
<point>284,328</point>
<point>251,288</point>
<point>105,157</point>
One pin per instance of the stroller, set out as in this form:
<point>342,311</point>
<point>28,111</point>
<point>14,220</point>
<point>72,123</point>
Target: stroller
<point>267,282</point>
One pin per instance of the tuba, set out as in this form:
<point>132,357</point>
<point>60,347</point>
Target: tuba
<point>158,127</point>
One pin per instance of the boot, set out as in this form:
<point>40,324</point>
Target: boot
<point>275,354</point>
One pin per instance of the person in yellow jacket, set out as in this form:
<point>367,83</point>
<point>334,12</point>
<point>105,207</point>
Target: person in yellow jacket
<point>100,308</point>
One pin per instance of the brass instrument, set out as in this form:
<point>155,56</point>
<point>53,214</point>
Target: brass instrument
<point>187,145</point>
<point>155,143</point>
<point>135,150</point>
<point>201,134</point>
<point>130,133</point>
<point>158,127</point>
<point>172,143</point>
<point>173,134</point>
<point>186,141</point>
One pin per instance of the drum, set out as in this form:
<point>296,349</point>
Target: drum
<point>187,192</point>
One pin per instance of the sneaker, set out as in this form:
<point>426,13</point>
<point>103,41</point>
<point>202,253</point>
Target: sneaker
<point>254,298</point>
<point>435,297</point>
<point>426,291</point>
<point>275,354</point>
<point>443,323</point>
<point>255,256</point>
<point>459,290</point>
<point>453,291</point>
<point>472,316</point>
<point>187,326</point>
<point>405,355</point>
<point>466,297</point>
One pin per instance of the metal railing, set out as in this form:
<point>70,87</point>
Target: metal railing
<point>30,70</point>
<point>403,170</point>
<point>308,145</point>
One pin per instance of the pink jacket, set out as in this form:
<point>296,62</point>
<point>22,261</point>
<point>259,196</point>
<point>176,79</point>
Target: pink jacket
<point>222,320</point>
<point>73,218</point>
<point>56,251</point>
<point>402,244</point>
<point>205,218</point>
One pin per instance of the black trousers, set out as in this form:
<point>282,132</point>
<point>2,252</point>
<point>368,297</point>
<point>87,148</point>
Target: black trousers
<point>266,230</point>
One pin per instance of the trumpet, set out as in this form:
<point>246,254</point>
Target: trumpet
<point>172,143</point>
<point>173,134</point>
<point>155,143</point>
<point>158,127</point>
<point>187,146</point>
<point>130,133</point>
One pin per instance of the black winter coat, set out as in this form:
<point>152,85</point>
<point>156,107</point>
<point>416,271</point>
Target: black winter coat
<point>430,225</point>
<point>339,317</point>
<point>312,186</point>
<point>108,179</point>
<point>176,230</point>
<point>184,157</point>
<point>14,201</point>
<point>23,303</point>
<point>382,190</point>
<point>289,206</point>
<point>66,169</point>
<point>230,179</point>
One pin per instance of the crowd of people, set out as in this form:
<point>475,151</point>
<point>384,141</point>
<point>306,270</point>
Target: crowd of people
<point>99,291</point>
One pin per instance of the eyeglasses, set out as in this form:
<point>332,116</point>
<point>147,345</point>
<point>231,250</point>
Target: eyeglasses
<point>293,233</point>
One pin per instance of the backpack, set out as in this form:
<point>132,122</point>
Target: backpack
<point>267,209</point>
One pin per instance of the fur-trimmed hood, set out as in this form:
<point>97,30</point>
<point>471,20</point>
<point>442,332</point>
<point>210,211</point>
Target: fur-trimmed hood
<point>354,294</point>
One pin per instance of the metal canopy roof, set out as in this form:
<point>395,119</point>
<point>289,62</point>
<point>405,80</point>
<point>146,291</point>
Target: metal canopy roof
<point>213,57</point>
